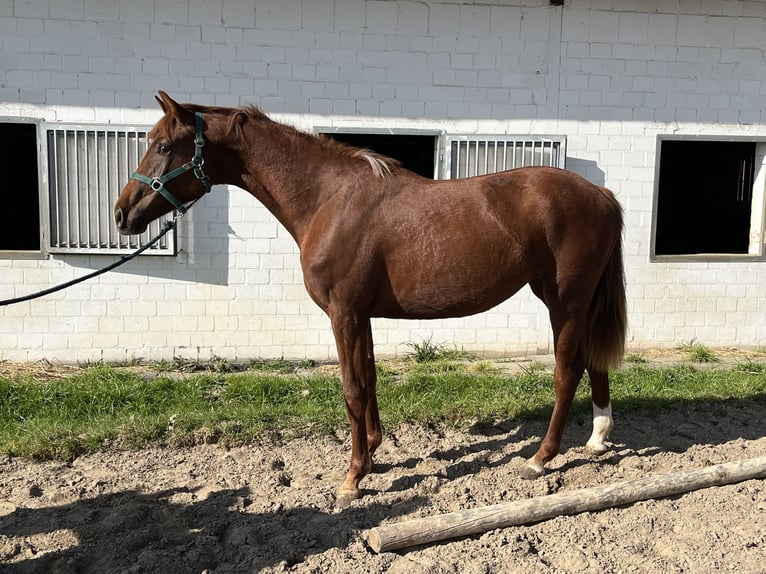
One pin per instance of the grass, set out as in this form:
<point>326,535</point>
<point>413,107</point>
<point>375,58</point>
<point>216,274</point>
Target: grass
<point>698,353</point>
<point>635,359</point>
<point>104,407</point>
<point>429,352</point>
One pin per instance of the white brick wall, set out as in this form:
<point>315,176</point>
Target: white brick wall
<point>611,76</point>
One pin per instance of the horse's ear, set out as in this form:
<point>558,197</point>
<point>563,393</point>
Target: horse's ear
<point>170,106</point>
<point>161,102</point>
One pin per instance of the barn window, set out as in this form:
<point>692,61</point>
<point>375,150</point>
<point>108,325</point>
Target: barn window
<point>87,168</point>
<point>415,150</point>
<point>20,218</point>
<point>476,155</point>
<point>709,197</point>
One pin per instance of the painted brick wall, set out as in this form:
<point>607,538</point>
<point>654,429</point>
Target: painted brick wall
<point>611,75</point>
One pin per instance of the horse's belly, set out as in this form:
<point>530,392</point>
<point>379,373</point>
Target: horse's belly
<point>445,295</point>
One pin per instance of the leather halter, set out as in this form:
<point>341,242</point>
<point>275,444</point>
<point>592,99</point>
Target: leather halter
<point>195,165</point>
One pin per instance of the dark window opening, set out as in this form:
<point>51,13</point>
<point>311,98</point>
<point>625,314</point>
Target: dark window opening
<point>415,152</point>
<point>20,219</point>
<point>704,197</point>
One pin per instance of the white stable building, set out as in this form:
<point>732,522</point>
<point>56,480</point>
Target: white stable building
<point>662,101</point>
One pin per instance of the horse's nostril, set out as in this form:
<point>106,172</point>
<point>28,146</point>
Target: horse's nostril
<point>118,217</point>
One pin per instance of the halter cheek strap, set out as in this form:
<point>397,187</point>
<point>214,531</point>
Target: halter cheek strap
<point>195,165</point>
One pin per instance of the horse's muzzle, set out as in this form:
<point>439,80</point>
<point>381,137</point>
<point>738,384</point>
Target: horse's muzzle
<point>124,226</point>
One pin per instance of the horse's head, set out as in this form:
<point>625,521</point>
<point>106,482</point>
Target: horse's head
<point>170,173</point>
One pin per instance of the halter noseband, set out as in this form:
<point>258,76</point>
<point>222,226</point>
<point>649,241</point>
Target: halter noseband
<point>195,165</point>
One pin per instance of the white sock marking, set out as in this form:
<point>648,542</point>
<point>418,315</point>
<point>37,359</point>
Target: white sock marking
<point>602,426</point>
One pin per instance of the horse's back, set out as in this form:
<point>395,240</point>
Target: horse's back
<point>528,204</point>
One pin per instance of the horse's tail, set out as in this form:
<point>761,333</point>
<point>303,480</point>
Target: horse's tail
<point>607,316</point>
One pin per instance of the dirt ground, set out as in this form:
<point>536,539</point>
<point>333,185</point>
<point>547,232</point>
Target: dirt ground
<point>270,507</point>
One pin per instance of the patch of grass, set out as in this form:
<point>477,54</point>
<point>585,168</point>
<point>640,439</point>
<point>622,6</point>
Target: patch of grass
<point>534,369</point>
<point>162,366</point>
<point>386,371</point>
<point>186,365</point>
<point>104,406</point>
<point>220,365</point>
<point>635,359</point>
<point>429,352</point>
<point>107,407</point>
<point>698,353</point>
<point>653,389</point>
<point>485,367</point>
<point>271,365</point>
<point>438,367</point>
<point>425,352</point>
<point>751,367</point>
<point>178,364</point>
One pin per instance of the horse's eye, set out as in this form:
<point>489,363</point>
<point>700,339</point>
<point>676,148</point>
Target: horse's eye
<point>163,149</point>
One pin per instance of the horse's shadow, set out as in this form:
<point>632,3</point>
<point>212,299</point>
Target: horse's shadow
<point>148,532</point>
<point>642,427</point>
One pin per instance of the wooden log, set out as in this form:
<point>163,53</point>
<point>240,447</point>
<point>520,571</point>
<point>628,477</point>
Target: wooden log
<point>463,523</point>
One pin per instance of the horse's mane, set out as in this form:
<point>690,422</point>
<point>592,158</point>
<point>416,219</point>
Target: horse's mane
<point>381,165</point>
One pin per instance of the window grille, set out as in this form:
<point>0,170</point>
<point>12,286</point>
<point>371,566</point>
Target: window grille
<point>478,155</point>
<point>87,168</point>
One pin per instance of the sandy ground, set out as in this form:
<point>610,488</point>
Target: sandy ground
<point>270,507</point>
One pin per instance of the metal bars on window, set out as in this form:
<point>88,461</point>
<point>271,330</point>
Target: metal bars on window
<point>478,155</point>
<point>87,168</point>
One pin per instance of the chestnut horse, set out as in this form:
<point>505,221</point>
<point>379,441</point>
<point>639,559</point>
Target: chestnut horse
<point>377,240</point>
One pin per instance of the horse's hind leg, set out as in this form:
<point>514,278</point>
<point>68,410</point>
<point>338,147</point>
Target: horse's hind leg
<point>602,412</point>
<point>568,324</point>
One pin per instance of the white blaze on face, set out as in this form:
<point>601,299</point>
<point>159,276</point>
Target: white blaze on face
<point>602,426</point>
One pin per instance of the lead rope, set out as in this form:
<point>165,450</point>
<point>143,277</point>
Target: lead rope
<point>170,224</point>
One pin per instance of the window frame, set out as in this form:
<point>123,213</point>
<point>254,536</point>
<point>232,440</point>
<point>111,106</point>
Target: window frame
<point>41,190</point>
<point>757,205</point>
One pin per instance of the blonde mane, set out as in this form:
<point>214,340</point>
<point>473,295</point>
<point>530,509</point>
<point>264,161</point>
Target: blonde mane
<point>381,165</point>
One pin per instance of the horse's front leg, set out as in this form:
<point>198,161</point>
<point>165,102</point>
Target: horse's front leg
<point>372,417</point>
<point>353,340</point>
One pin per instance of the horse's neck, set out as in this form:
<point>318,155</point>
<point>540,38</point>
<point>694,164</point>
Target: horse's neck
<point>280,176</point>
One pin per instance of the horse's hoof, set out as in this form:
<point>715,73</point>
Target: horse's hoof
<point>342,502</point>
<point>531,471</point>
<point>596,449</point>
<point>344,498</point>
